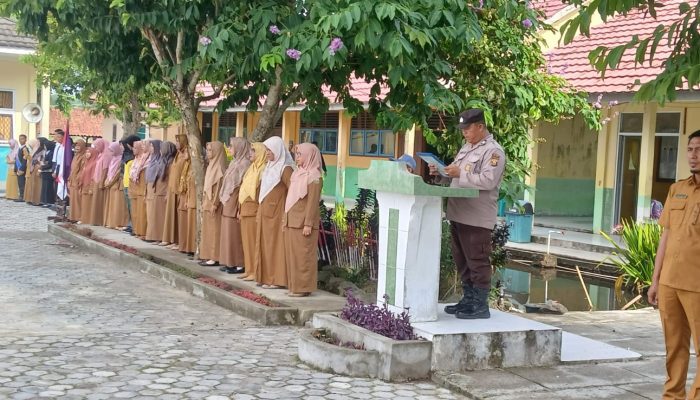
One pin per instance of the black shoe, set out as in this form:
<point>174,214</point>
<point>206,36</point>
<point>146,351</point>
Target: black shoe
<point>235,270</point>
<point>467,300</point>
<point>479,309</point>
<point>223,269</point>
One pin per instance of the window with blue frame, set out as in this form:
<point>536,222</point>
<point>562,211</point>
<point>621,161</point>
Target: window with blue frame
<point>227,126</point>
<point>326,139</point>
<point>372,143</point>
<point>323,131</point>
<point>367,139</point>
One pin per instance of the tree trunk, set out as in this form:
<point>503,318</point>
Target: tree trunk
<point>189,115</point>
<point>272,104</point>
<point>131,115</point>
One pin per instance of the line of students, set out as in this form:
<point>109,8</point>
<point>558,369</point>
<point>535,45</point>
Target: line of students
<point>260,213</point>
<point>30,170</point>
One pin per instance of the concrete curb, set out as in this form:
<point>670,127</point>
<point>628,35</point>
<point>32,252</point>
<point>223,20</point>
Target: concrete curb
<point>446,380</point>
<point>399,360</point>
<point>337,359</point>
<point>282,315</point>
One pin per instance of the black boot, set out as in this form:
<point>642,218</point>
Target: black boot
<point>467,300</point>
<point>479,309</point>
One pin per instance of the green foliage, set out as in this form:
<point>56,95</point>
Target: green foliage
<point>680,33</point>
<point>504,74</point>
<point>635,260</point>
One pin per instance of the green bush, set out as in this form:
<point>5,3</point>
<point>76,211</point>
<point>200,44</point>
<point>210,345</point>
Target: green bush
<point>636,260</point>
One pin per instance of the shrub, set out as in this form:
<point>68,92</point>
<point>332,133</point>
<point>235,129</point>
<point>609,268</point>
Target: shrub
<point>378,320</point>
<point>636,261</point>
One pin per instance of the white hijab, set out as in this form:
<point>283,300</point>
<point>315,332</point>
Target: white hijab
<point>272,174</point>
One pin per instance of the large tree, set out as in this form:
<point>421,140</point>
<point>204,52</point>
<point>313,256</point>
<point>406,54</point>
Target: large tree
<point>284,52</point>
<point>680,71</point>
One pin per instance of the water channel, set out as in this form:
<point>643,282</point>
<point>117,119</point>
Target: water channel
<point>529,284</point>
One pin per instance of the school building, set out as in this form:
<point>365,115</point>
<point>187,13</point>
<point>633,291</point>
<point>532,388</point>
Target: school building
<point>594,180</point>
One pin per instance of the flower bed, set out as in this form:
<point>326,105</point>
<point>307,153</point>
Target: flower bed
<point>246,294</point>
<point>376,319</point>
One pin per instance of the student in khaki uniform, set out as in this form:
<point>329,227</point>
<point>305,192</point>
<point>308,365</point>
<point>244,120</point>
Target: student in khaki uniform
<point>301,221</point>
<point>676,280</point>
<point>479,164</point>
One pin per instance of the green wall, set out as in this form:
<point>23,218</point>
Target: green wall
<point>351,188</point>
<point>565,197</point>
<point>329,180</point>
<point>603,218</point>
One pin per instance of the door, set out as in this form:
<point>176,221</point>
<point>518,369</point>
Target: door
<point>628,177</point>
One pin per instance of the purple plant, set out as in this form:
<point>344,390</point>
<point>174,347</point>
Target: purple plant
<point>204,41</point>
<point>376,319</point>
<point>336,44</point>
<point>275,30</point>
<point>527,23</point>
<point>294,54</point>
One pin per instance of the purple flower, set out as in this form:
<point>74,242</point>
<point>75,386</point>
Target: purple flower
<point>597,105</point>
<point>481,4</point>
<point>527,23</point>
<point>275,30</point>
<point>294,54</point>
<point>613,103</point>
<point>204,41</point>
<point>336,44</point>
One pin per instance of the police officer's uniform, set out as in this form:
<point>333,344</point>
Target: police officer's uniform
<point>472,219</point>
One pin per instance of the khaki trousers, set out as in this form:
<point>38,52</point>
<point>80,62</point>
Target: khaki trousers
<point>680,317</point>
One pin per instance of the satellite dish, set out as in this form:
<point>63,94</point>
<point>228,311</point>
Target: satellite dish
<point>33,113</point>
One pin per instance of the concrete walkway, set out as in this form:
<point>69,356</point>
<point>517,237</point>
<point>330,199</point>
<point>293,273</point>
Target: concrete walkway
<point>638,330</point>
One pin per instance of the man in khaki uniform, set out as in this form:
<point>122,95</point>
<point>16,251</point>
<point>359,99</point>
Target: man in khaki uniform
<point>479,164</point>
<point>676,281</point>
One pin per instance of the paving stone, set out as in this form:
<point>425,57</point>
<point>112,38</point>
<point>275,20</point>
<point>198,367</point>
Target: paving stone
<point>94,330</point>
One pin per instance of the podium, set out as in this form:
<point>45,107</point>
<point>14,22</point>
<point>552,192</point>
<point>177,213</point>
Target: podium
<point>410,218</point>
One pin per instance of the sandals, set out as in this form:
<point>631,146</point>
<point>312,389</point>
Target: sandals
<point>304,294</point>
<point>208,264</point>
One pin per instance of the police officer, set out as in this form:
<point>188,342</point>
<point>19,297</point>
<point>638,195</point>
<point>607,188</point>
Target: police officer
<point>479,164</point>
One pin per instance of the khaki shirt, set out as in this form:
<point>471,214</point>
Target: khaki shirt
<point>681,267</point>
<point>481,168</point>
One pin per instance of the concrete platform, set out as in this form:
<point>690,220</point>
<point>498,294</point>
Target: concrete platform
<point>579,349</point>
<point>508,340</point>
<point>505,340</point>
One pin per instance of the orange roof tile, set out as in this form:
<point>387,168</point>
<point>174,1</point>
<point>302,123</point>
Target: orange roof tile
<point>549,7</point>
<point>571,61</point>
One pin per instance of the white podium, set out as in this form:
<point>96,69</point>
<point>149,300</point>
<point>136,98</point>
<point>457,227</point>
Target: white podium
<point>410,217</point>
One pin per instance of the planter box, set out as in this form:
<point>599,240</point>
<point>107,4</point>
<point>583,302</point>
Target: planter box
<point>337,359</point>
<point>398,360</point>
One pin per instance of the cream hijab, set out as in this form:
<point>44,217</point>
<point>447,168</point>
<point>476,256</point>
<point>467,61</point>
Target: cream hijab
<point>306,173</point>
<point>216,168</point>
<point>272,175</point>
<point>251,179</point>
<point>237,168</point>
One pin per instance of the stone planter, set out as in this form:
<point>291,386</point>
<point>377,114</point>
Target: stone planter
<point>397,360</point>
<point>340,360</point>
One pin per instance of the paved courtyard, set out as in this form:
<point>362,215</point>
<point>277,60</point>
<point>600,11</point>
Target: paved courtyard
<point>75,326</point>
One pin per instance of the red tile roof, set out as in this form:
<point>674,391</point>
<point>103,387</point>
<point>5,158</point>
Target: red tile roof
<point>549,7</point>
<point>571,61</point>
<point>82,122</point>
<point>10,38</point>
